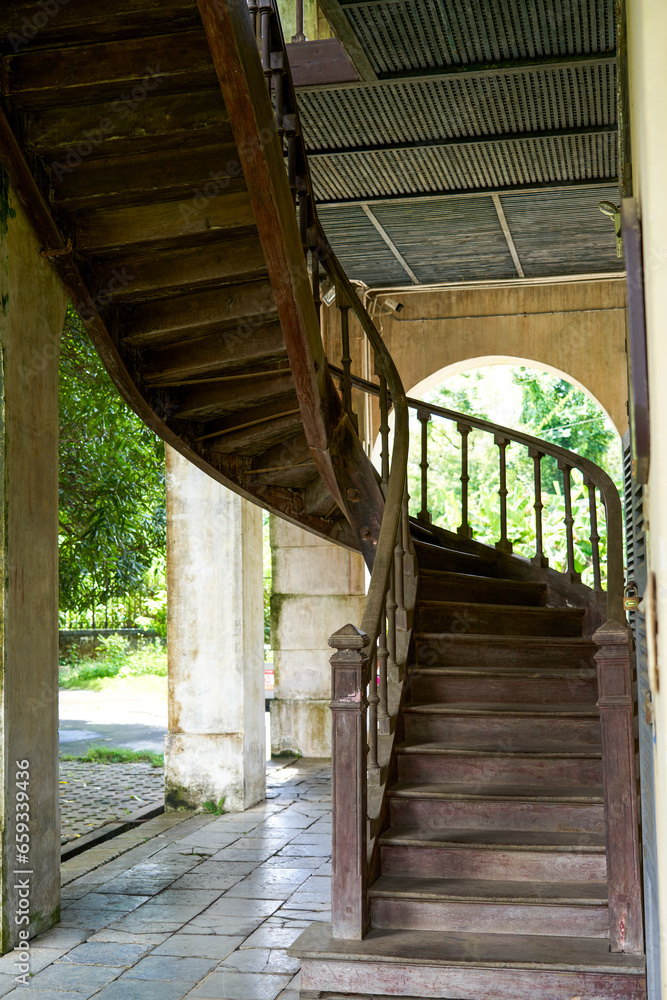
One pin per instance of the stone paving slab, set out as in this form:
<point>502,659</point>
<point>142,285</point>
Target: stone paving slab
<point>93,795</point>
<point>171,914</point>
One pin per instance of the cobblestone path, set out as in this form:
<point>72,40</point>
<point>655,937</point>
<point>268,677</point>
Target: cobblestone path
<point>204,910</point>
<point>92,795</point>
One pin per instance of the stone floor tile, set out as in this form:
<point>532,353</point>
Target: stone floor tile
<point>305,915</point>
<point>144,989</point>
<point>214,946</point>
<point>240,854</point>
<point>39,959</point>
<point>306,851</point>
<point>205,880</point>
<point>125,937</point>
<point>246,960</point>
<point>106,953</point>
<point>237,907</point>
<point>88,919</point>
<point>86,979</point>
<point>320,839</point>
<point>168,967</point>
<point>226,924</point>
<point>239,986</point>
<point>187,897</point>
<point>317,883</point>
<point>280,961</point>
<point>240,868</point>
<point>272,937</point>
<point>7,983</point>
<point>59,938</point>
<point>110,901</point>
<point>20,993</point>
<point>291,861</point>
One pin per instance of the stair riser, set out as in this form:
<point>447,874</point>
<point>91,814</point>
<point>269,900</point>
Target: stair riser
<point>491,814</point>
<point>487,918</point>
<point>513,866</point>
<point>451,561</point>
<point>555,772</point>
<point>513,690</point>
<point>447,651</point>
<point>491,621</point>
<point>558,731</point>
<point>397,979</point>
<point>482,591</point>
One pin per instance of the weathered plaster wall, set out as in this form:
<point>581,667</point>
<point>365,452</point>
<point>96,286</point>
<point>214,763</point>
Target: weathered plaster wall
<point>32,312</point>
<point>216,745</point>
<point>317,588</point>
<point>647,44</point>
<point>573,327</point>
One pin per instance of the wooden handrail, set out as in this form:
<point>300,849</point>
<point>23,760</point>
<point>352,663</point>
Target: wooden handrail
<point>536,446</point>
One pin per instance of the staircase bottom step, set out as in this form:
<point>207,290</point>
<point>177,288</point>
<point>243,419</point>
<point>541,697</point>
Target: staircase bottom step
<point>406,964</point>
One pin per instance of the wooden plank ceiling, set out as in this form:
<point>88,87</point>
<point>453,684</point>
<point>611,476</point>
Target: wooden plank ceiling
<point>455,103</point>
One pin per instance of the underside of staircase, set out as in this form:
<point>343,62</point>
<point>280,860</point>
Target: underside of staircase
<point>489,873</point>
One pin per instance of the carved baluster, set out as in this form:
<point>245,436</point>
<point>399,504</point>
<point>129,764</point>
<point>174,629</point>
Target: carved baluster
<point>315,271</point>
<point>349,677</point>
<point>595,537</point>
<point>346,360</point>
<point>278,71</point>
<point>409,556</point>
<point>385,655</point>
<point>539,559</point>
<point>384,430</point>
<point>619,781</point>
<point>290,130</point>
<point>303,213</point>
<point>391,629</point>
<point>503,543</point>
<point>464,528</point>
<point>378,660</point>
<point>253,8</point>
<point>399,574</point>
<point>569,520</point>
<point>424,416</point>
<point>299,35</point>
<point>266,13</point>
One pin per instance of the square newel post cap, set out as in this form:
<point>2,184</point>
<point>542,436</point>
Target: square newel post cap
<point>611,633</point>
<point>349,637</point>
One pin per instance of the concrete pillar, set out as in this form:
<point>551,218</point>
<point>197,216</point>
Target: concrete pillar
<point>317,588</point>
<point>32,312</point>
<point>216,745</point>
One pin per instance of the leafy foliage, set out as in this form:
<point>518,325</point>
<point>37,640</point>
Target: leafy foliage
<point>547,407</point>
<point>112,500</point>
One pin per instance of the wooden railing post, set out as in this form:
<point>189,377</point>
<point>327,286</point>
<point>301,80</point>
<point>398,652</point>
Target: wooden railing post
<point>424,417</point>
<point>349,795</point>
<point>620,789</point>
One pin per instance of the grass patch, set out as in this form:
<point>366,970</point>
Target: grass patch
<point>116,755</point>
<point>115,659</point>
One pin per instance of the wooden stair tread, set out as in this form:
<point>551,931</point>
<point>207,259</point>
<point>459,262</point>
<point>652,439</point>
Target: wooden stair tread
<point>465,638</point>
<point>492,840</point>
<point>496,951</point>
<point>576,673</point>
<point>481,749</point>
<point>483,890</point>
<point>514,793</point>
<point>527,609</point>
<point>502,708</point>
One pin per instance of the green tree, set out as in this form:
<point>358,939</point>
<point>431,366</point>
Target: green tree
<point>112,496</point>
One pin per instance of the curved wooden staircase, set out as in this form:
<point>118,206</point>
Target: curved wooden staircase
<point>175,203</point>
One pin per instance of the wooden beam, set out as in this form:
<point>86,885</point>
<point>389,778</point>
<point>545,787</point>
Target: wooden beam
<point>208,402</point>
<point>390,243</point>
<point>507,234</point>
<point>320,63</point>
<point>346,35</point>
<point>182,270</point>
<point>189,172</point>
<point>225,349</point>
<point>169,320</point>
<point>482,192</point>
<point>162,121</point>
<point>161,222</point>
<point>126,71</point>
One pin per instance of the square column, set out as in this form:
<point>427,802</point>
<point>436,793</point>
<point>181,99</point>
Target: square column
<point>216,745</point>
<point>32,313</point>
<point>317,587</point>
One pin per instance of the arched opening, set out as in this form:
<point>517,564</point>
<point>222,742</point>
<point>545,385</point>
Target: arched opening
<point>539,401</point>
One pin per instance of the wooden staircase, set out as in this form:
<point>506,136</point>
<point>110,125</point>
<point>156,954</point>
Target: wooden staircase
<point>493,841</point>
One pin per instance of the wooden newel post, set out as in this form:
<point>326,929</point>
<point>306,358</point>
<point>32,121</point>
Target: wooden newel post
<point>620,789</point>
<point>349,705</point>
